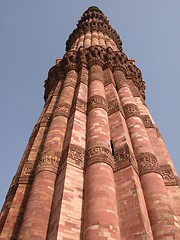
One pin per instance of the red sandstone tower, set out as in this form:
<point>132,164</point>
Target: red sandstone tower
<point>95,166</point>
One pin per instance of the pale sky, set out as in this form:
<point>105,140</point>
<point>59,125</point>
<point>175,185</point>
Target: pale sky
<point>33,35</point>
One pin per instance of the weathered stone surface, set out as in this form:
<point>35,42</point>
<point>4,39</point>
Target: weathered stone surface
<point>95,166</point>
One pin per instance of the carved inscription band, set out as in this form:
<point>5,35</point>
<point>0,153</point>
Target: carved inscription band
<point>73,155</point>
<point>131,110</point>
<point>76,156</point>
<point>62,110</point>
<point>98,154</point>
<point>81,106</point>
<point>168,175</point>
<point>123,158</point>
<point>147,162</point>
<point>114,106</point>
<point>27,173</point>
<point>48,162</point>
<point>97,101</point>
<point>147,121</point>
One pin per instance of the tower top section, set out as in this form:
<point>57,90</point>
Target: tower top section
<point>93,20</point>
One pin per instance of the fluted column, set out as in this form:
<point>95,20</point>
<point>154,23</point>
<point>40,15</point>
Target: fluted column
<point>100,214</point>
<point>22,181</point>
<point>101,40</point>
<point>41,195</point>
<point>81,41</point>
<point>94,38</point>
<point>155,192</point>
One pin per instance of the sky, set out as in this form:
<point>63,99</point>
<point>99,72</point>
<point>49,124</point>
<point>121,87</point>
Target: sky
<point>33,35</point>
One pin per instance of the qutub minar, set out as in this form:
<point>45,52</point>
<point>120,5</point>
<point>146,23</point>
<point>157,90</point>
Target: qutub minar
<point>95,166</point>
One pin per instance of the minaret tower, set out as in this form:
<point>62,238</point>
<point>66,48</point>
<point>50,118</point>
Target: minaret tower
<point>95,166</point>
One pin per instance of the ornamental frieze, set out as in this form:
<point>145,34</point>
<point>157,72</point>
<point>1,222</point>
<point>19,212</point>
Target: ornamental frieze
<point>74,61</point>
<point>157,132</point>
<point>70,61</point>
<point>168,175</point>
<point>114,106</point>
<point>81,105</point>
<point>147,163</point>
<point>95,55</point>
<point>62,110</point>
<point>27,173</point>
<point>131,110</point>
<point>147,121</point>
<point>76,156</point>
<point>97,101</point>
<point>48,162</point>
<point>123,158</point>
<point>119,61</point>
<point>97,154</point>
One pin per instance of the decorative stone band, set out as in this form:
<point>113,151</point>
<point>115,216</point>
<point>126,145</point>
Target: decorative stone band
<point>168,175</point>
<point>81,105</point>
<point>123,158</point>
<point>114,106</point>
<point>27,173</point>
<point>95,56</point>
<point>98,154</point>
<point>147,121</point>
<point>147,163</point>
<point>48,162</point>
<point>76,156</point>
<point>75,61</point>
<point>131,110</point>
<point>62,110</point>
<point>73,155</point>
<point>97,101</point>
<point>157,131</point>
<point>46,120</point>
<point>69,61</point>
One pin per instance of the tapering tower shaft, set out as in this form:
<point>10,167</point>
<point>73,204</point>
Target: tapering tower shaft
<point>96,166</point>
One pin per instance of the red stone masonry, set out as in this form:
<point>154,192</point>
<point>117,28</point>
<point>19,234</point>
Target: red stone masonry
<point>95,166</point>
